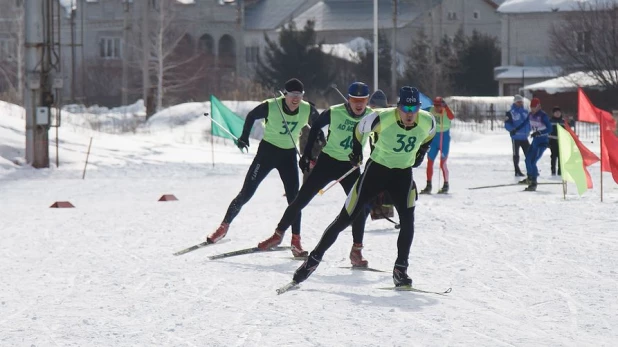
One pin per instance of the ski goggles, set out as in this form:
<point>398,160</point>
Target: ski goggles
<point>410,109</point>
<point>294,94</point>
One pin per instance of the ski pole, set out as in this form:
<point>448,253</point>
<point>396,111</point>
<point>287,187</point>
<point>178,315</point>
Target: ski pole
<point>285,122</point>
<point>223,128</point>
<point>322,191</point>
<point>334,86</point>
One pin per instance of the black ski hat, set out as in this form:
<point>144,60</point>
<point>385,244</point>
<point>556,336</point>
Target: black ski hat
<point>378,99</point>
<point>294,85</point>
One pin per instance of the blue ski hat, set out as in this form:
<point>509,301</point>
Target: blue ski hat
<point>358,90</point>
<point>409,96</point>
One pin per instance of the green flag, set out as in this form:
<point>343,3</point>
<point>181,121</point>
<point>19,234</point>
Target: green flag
<point>571,161</point>
<point>224,117</point>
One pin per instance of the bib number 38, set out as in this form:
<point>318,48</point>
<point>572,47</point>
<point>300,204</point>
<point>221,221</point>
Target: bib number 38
<point>406,143</point>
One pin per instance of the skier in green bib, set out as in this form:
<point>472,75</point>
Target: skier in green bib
<point>405,133</point>
<point>282,116</point>
<point>332,163</point>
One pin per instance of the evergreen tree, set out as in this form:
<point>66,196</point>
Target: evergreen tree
<point>419,66</point>
<point>475,75</point>
<point>364,69</point>
<point>296,54</point>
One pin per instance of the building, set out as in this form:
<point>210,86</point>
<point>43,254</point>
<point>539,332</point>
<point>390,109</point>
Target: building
<point>525,41</point>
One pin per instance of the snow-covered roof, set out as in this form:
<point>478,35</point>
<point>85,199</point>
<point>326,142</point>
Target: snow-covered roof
<point>568,83</point>
<point>530,6</point>
<point>351,51</point>
<point>504,72</point>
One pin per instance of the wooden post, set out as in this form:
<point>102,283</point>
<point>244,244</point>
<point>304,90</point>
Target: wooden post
<point>87,155</point>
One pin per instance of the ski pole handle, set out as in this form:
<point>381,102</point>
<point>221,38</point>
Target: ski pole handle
<point>334,86</point>
<point>322,191</point>
<point>222,127</point>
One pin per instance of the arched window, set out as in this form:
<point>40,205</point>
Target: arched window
<point>206,45</point>
<point>227,51</point>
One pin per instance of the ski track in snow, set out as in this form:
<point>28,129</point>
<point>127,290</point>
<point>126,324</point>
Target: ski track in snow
<point>527,269</point>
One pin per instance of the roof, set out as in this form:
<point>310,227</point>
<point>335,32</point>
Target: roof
<point>271,14</point>
<point>358,14</point>
<point>531,6</point>
<point>504,72</point>
<point>569,83</point>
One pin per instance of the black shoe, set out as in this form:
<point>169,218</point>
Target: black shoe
<point>305,270</point>
<point>524,181</point>
<point>427,189</point>
<point>400,276</point>
<point>532,186</point>
<point>519,174</point>
<point>444,189</point>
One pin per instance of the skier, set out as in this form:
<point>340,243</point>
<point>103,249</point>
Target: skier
<point>556,119</point>
<point>441,142</point>
<point>541,127</point>
<point>405,134</point>
<point>331,164</point>
<point>517,124</point>
<point>277,150</point>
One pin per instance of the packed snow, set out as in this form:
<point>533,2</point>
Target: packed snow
<point>531,6</point>
<point>526,269</point>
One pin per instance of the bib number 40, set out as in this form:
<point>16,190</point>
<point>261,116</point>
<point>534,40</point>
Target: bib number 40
<point>406,143</point>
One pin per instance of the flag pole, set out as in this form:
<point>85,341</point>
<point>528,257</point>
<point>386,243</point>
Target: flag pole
<point>601,140</point>
<point>212,140</point>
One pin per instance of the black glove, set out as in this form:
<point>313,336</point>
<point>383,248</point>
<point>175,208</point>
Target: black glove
<point>304,163</point>
<point>356,159</point>
<point>513,132</point>
<point>420,156</point>
<point>536,134</point>
<point>243,143</point>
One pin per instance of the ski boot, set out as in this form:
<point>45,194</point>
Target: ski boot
<point>518,173</point>
<point>444,189</point>
<point>356,257</point>
<point>525,181</point>
<point>400,276</point>
<point>532,186</point>
<point>219,233</point>
<point>305,270</point>
<point>297,249</point>
<point>427,189</point>
<point>272,241</point>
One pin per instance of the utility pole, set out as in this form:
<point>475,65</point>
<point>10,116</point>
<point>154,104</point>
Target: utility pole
<point>124,57</point>
<point>394,73</point>
<point>38,96</point>
<point>145,54</point>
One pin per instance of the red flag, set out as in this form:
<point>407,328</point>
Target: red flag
<point>587,112</point>
<point>609,160</point>
<point>588,157</point>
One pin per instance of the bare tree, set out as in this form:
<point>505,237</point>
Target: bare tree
<point>173,60</point>
<point>587,40</point>
<point>11,50</point>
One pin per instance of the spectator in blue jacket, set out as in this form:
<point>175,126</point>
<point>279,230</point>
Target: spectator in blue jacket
<point>541,128</point>
<point>517,124</point>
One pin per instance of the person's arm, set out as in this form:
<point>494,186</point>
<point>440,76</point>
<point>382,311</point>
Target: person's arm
<point>321,121</point>
<point>508,121</point>
<point>422,150</point>
<point>259,112</point>
<point>449,113</point>
<point>370,123</point>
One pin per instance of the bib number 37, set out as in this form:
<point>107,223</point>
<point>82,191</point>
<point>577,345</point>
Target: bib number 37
<point>406,143</point>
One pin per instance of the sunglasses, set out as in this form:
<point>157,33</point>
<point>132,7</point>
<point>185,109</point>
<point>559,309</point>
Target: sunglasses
<point>410,109</point>
<point>295,94</point>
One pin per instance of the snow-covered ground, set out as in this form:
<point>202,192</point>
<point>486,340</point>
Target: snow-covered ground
<point>526,269</point>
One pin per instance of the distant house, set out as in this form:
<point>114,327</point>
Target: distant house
<point>525,41</point>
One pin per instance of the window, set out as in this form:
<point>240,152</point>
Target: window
<point>7,49</point>
<point>582,42</point>
<point>476,15</point>
<point>511,88</point>
<point>451,16</point>
<point>251,54</point>
<point>110,48</point>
